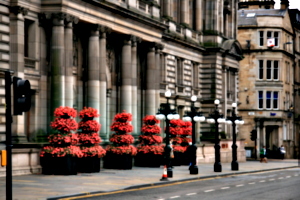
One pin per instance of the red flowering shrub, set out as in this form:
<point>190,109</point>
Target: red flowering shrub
<point>179,148</point>
<point>65,111</point>
<point>154,149</point>
<point>62,151</point>
<point>186,128</point>
<point>64,125</point>
<point>92,151</point>
<point>121,139</point>
<point>89,126</point>
<point>151,129</point>
<point>63,141</point>
<point>150,120</point>
<point>88,112</point>
<point>126,139</point>
<point>150,139</point>
<point>121,149</point>
<point>88,133</point>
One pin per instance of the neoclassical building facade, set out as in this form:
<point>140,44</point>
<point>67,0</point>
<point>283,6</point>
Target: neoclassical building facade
<point>117,55</point>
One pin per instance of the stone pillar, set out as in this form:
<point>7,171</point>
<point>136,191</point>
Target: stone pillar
<point>158,65</point>
<point>69,83</point>
<point>93,85</point>
<point>17,44</point>
<point>198,13</point>
<point>126,87</point>
<point>184,12</point>
<point>103,84</point>
<point>150,99</point>
<point>166,8</point>
<point>134,97</point>
<point>57,61</point>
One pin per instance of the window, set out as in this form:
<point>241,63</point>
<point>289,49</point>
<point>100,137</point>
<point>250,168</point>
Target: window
<point>275,35</point>
<point>261,69</point>
<point>261,38</point>
<point>271,100</point>
<point>272,70</point>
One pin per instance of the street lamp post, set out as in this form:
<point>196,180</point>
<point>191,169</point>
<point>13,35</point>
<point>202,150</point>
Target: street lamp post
<point>167,114</point>
<point>216,118</point>
<point>193,116</point>
<point>234,120</point>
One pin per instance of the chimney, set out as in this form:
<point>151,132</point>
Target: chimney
<point>284,4</point>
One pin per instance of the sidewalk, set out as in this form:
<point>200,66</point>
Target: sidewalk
<point>37,186</point>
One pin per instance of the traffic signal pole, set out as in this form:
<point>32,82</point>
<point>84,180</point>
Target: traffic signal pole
<point>8,118</point>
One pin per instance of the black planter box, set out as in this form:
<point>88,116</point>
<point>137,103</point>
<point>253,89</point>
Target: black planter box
<point>117,161</point>
<point>58,165</point>
<point>148,160</point>
<point>88,164</point>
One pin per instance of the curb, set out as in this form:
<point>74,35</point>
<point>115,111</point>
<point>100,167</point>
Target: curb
<point>171,181</point>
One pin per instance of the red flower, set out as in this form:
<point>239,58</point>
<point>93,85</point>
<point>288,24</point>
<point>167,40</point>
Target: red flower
<point>186,140</point>
<point>176,122</point>
<point>123,117</point>
<point>63,138</point>
<point>64,125</point>
<point>93,151</point>
<point>121,139</point>
<point>121,149</point>
<point>88,112</point>
<point>89,126</point>
<point>179,148</point>
<point>150,139</point>
<point>150,119</point>
<point>65,111</point>
<point>62,151</point>
<point>175,130</point>
<point>89,138</point>
<point>151,129</point>
<point>123,127</point>
<point>155,149</point>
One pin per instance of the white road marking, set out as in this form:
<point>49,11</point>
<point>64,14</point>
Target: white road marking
<point>288,177</point>
<point>272,179</point>
<point>174,197</point>
<point>280,178</point>
<point>209,190</point>
<point>191,194</point>
<point>262,181</point>
<point>224,188</point>
<point>251,183</point>
<point>296,174</point>
<point>239,185</point>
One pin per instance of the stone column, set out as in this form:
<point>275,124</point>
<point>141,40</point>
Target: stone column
<point>198,13</point>
<point>166,8</point>
<point>103,84</point>
<point>150,99</point>
<point>17,44</point>
<point>134,75</point>
<point>93,85</point>
<point>69,83</point>
<point>158,65</point>
<point>57,61</point>
<point>126,87</point>
<point>184,12</point>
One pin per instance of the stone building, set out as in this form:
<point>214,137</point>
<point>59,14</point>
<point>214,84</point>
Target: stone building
<point>269,78</point>
<point>117,55</point>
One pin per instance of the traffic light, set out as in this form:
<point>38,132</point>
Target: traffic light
<point>22,95</point>
<point>253,135</point>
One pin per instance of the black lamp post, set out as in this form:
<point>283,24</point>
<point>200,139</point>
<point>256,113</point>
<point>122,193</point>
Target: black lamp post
<point>216,118</point>
<point>234,120</point>
<point>165,112</point>
<point>193,116</point>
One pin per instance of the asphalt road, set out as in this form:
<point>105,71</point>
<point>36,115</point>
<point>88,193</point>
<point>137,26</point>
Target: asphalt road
<point>281,185</point>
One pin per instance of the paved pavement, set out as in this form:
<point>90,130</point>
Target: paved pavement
<point>38,186</point>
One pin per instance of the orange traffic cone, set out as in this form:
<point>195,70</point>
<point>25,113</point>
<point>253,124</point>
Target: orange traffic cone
<point>165,175</point>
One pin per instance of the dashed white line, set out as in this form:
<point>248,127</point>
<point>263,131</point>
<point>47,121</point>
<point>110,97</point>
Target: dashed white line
<point>239,185</point>
<point>209,190</point>
<point>262,181</point>
<point>280,178</point>
<point>174,197</point>
<point>296,175</point>
<point>191,194</point>
<point>224,188</point>
<point>272,179</point>
<point>288,177</point>
<point>251,183</point>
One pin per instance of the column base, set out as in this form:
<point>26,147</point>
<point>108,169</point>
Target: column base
<point>217,167</point>
<point>234,165</point>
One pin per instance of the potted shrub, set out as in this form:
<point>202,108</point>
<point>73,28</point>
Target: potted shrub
<point>150,150</point>
<point>59,157</point>
<point>119,154</point>
<point>89,140</point>
<point>175,137</point>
